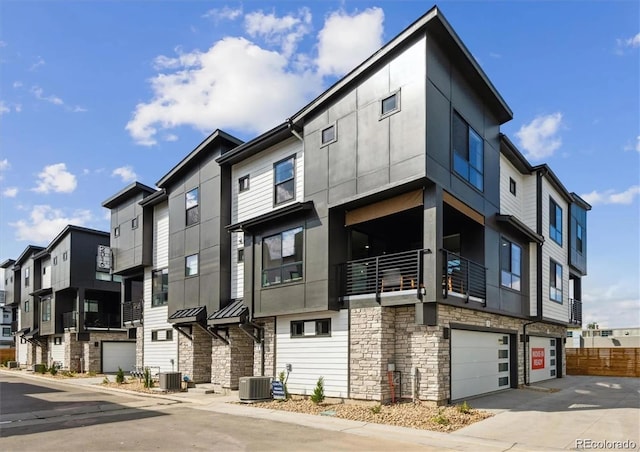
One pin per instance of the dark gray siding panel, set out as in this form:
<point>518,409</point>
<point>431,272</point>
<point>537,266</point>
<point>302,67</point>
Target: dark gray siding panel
<point>342,154</point>
<point>281,300</point>
<point>438,129</point>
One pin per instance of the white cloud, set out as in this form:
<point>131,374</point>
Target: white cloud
<point>4,109</point>
<point>39,94</point>
<point>39,62</point>
<point>17,84</point>
<point>611,197</point>
<point>45,222</point>
<point>170,137</point>
<point>539,138</point>
<point>56,178</point>
<point>126,173</point>
<point>631,147</point>
<point>633,41</point>
<point>495,55</point>
<point>78,109</point>
<point>227,13</point>
<point>10,192</point>
<point>235,84</point>
<point>347,40</point>
<point>4,165</point>
<point>17,108</point>
<point>285,31</point>
<point>613,305</point>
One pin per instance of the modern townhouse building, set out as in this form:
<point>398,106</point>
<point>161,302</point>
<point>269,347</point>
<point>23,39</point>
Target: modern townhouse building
<point>386,237</point>
<point>7,312</point>
<point>69,311</point>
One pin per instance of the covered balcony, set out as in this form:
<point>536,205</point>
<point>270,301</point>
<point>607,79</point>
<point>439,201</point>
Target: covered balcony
<point>463,278</point>
<point>132,313</point>
<point>575,311</point>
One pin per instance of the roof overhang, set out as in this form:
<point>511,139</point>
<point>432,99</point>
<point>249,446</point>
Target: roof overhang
<point>290,210</point>
<point>130,191</point>
<point>155,198</point>
<point>234,313</point>
<point>42,292</point>
<point>32,333</point>
<point>189,316</point>
<point>520,227</point>
<point>22,332</point>
<point>266,140</point>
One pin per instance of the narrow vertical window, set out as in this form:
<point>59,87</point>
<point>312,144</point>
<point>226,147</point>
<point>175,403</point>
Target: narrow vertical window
<point>160,287</point>
<point>134,223</point>
<point>284,180</point>
<point>555,281</point>
<point>243,184</point>
<point>579,242</point>
<point>555,222</point>
<point>116,231</point>
<point>192,207</point>
<point>468,152</point>
<point>512,186</point>
<point>191,265</point>
<point>510,264</point>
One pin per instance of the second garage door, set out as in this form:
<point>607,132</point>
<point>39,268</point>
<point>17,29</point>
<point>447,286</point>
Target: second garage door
<point>118,354</point>
<point>480,363</point>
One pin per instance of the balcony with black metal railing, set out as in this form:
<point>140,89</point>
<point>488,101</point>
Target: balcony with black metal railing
<point>70,320</point>
<point>575,311</point>
<point>132,312</point>
<point>463,278</point>
<point>383,274</point>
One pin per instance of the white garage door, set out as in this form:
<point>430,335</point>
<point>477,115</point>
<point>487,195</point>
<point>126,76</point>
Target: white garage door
<point>480,363</point>
<point>542,358</point>
<point>118,354</point>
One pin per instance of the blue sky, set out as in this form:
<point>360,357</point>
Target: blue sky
<point>96,94</point>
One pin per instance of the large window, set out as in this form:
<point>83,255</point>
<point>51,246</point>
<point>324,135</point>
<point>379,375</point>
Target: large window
<point>555,222</point>
<point>191,265</point>
<point>510,264</point>
<point>160,287</point>
<point>46,309</point>
<point>468,153</point>
<point>284,180</point>
<point>555,281</point>
<point>282,257</point>
<point>191,205</point>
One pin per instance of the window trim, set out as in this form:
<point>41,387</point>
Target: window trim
<point>333,126</point>
<point>196,207</point>
<point>510,271</point>
<point>579,238</point>
<point>168,335</point>
<point>277,184</point>
<point>240,186</point>
<point>557,230</point>
<point>467,159</point>
<point>159,298</point>
<point>553,280</point>
<point>282,265</point>
<point>45,315</point>
<point>116,231</point>
<point>395,110</point>
<point>134,223</point>
<point>512,186</point>
<point>197,256</point>
<point>317,323</point>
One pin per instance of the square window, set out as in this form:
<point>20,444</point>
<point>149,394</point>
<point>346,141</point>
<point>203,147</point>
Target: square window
<point>6,331</point>
<point>297,328</point>
<point>323,327</point>
<point>503,367</point>
<point>512,186</point>
<point>284,180</point>
<point>134,223</point>
<point>390,104</point>
<point>328,135</point>
<point>192,207</point>
<point>503,381</point>
<point>503,354</point>
<point>243,184</point>
<point>191,265</point>
<point>116,231</point>
<point>552,372</point>
<point>552,362</point>
<point>57,340</point>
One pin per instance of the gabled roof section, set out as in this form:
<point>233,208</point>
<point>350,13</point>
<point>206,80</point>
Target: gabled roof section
<point>217,137</point>
<point>435,23</point>
<point>27,252</point>
<point>71,228</point>
<point>581,202</point>
<point>128,192</point>
<point>8,263</point>
<point>258,144</point>
<point>155,198</point>
<point>511,152</point>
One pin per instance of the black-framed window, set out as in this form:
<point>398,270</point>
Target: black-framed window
<point>6,331</point>
<point>284,180</point>
<point>26,306</point>
<point>468,152</point>
<point>191,265</point>
<point>65,255</point>
<point>159,287</point>
<point>134,223</point>
<point>27,277</point>
<point>328,135</point>
<point>240,255</point>
<point>46,309</point>
<point>191,203</point>
<point>282,257</point>
<point>555,281</point>
<point>116,231</point>
<point>512,186</point>
<point>555,222</point>
<point>510,264</point>
<point>243,183</point>
<point>390,104</point>
<point>311,328</point>
<point>162,335</point>
<point>57,340</point>
<point>579,238</point>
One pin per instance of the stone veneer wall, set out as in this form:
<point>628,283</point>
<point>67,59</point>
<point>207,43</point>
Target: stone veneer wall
<point>269,344</point>
<point>73,352</point>
<point>42,352</point>
<point>230,362</point>
<point>384,335</point>
<point>194,356</point>
<point>140,346</point>
<point>31,354</point>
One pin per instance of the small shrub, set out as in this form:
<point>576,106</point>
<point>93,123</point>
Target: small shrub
<point>464,408</point>
<point>105,381</point>
<point>120,376</point>
<point>41,368</point>
<point>67,373</point>
<point>91,374</point>
<point>318,392</point>
<point>376,409</point>
<point>147,379</point>
<point>440,418</point>
<point>53,370</point>
<point>283,380</point>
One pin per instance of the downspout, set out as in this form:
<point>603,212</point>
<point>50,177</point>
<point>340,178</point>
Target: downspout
<point>253,287</point>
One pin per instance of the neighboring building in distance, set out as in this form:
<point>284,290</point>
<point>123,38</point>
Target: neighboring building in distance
<point>603,338</point>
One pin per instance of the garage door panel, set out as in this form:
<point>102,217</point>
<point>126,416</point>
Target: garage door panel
<point>118,354</point>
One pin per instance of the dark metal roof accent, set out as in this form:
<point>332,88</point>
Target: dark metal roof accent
<point>8,263</point>
<point>22,331</point>
<point>236,312</point>
<point>189,315</point>
<point>513,154</point>
<point>131,190</point>
<point>26,253</point>
<point>258,144</point>
<point>520,227</point>
<point>71,228</point>
<point>41,292</point>
<point>32,333</point>
<point>291,209</point>
<point>217,135</point>
<point>581,202</point>
<point>155,198</point>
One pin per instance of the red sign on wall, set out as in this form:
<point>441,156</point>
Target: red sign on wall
<point>537,358</point>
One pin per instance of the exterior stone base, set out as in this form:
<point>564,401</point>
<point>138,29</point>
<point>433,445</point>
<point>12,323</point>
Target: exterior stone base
<point>264,354</point>
<point>194,356</point>
<point>232,361</point>
<point>85,356</point>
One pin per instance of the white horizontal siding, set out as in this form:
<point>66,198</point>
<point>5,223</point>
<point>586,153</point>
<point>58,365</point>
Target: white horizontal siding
<point>46,274</point>
<point>533,280</point>
<point>529,201</point>
<point>161,235</point>
<point>237,268</point>
<point>160,353</point>
<point>21,349</point>
<point>511,204</point>
<point>551,250</point>
<point>314,357</point>
<point>258,199</point>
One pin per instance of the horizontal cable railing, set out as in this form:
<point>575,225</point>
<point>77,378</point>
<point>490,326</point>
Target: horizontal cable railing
<point>386,273</point>
<point>463,276</point>
<point>132,311</point>
<point>69,319</point>
<point>575,311</point>
<point>101,320</point>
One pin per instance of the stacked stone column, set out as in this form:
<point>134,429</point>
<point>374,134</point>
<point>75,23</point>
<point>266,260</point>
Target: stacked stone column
<point>194,356</point>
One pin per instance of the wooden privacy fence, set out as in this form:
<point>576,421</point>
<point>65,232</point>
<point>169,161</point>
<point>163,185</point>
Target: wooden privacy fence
<point>7,354</point>
<point>610,362</point>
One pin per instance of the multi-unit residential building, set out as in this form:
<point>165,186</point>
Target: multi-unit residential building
<point>603,338</point>
<point>6,311</point>
<point>68,304</point>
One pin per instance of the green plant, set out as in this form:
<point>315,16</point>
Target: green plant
<point>318,392</point>
<point>464,408</point>
<point>147,379</point>
<point>67,373</point>
<point>41,368</point>
<point>283,380</point>
<point>440,418</point>
<point>376,409</point>
<point>105,381</point>
<point>53,370</point>
<point>91,373</point>
<point>120,376</point>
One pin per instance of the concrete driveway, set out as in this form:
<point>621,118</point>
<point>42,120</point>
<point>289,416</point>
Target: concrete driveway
<point>565,413</point>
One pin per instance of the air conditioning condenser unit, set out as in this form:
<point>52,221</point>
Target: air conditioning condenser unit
<point>255,388</point>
